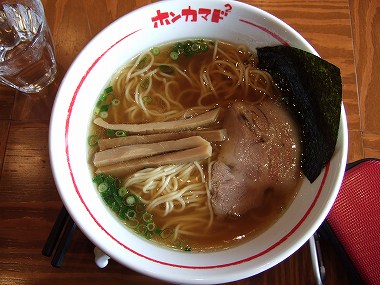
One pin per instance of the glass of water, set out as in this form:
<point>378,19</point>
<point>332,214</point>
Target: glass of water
<point>27,60</point>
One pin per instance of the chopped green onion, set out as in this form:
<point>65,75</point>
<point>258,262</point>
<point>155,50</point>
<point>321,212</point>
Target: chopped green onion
<point>195,47</point>
<point>121,133</point>
<point>93,140</point>
<point>108,90</point>
<point>108,199</point>
<point>147,217</point>
<point>189,48</point>
<point>115,207</point>
<point>155,51</point>
<point>157,231</point>
<point>118,199</point>
<point>140,208</point>
<point>204,47</point>
<point>166,69</point>
<point>98,179</point>
<point>103,187</point>
<point>110,180</point>
<point>132,211</point>
<point>174,55</point>
<point>151,226</point>
<point>103,114</point>
<point>166,233</point>
<point>147,99</point>
<point>145,83</point>
<point>110,132</point>
<point>141,228</point>
<point>141,63</point>
<point>123,213</point>
<point>115,102</point>
<point>123,191</point>
<point>183,247</point>
<point>131,200</point>
<point>103,97</point>
<point>131,214</point>
<point>96,110</point>
<point>178,46</point>
<point>104,108</point>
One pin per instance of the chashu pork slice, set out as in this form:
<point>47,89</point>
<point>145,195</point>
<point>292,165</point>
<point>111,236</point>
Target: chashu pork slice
<point>262,152</point>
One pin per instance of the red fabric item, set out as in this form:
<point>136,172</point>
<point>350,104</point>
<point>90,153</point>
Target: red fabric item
<point>355,218</point>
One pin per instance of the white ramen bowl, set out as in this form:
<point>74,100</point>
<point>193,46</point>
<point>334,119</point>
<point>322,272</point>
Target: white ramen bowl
<point>140,30</point>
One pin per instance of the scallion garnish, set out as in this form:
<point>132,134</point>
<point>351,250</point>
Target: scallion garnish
<point>103,97</point>
<point>96,110</point>
<point>157,231</point>
<point>115,102</point>
<point>150,226</point>
<point>123,191</point>
<point>98,179</point>
<point>147,217</point>
<point>189,48</point>
<point>187,248</point>
<point>148,235</point>
<point>147,99</point>
<point>145,83</point>
<point>174,55</point>
<point>102,187</point>
<point>132,211</point>
<point>100,102</point>
<point>155,51</point>
<point>121,133</point>
<point>141,228</point>
<point>104,108</point>
<point>103,114</point>
<point>140,208</point>
<point>167,69</point>
<point>166,233</point>
<point>104,102</point>
<point>204,47</point>
<point>130,200</point>
<point>92,140</point>
<point>195,47</point>
<point>108,90</point>
<point>131,214</point>
<point>141,63</point>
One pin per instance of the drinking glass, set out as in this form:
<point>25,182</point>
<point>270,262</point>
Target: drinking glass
<point>27,60</point>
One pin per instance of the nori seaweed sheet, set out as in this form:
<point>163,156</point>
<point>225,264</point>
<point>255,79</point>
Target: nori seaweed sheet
<point>312,88</point>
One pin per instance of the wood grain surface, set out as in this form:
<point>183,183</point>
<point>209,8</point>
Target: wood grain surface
<point>345,32</point>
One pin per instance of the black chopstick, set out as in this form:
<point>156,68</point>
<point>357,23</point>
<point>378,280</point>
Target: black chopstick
<point>64,243</point>
<point>55,232</point>
<point>63,223</point>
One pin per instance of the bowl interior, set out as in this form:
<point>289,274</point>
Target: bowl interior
<point>140,30</point>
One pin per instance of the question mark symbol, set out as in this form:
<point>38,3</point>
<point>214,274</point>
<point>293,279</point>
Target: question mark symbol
<point>229,8</point>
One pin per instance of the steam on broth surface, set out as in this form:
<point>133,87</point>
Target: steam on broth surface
<point>187,183</point>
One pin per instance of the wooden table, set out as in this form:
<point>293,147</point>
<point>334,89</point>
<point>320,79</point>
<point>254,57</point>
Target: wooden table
<point>345,32</point>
